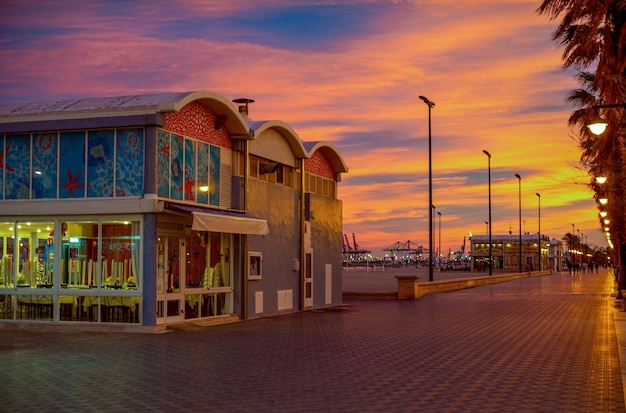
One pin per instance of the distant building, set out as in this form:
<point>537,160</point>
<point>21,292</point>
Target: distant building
<point>506,252</point>
<point>148,210</point>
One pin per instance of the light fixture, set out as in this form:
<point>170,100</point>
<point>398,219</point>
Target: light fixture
<point>598,125</point>
<point>603,201</point>
<point>600,179</point>
<point>603,214</point>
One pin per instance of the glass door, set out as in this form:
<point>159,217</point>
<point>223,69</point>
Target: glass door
<point>170,279</point>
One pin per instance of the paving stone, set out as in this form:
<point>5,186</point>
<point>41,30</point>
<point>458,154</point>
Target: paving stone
<point>530,345</point>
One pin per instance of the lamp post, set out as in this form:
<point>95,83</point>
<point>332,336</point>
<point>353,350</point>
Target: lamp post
<point>573,248</point>
<point>432,212</point>
<point>489,180</point>
<point>430,190</point>
<point>539,235</point>
<point>439,248</point>
<point>519,178</point>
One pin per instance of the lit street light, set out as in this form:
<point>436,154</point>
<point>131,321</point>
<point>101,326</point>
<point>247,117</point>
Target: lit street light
<point>430,190</point>
<point>519,178</point>
<point>489,180</point>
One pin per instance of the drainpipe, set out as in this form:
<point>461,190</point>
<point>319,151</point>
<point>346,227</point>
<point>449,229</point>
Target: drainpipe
<point>244,237</point>
<point>302,234</point>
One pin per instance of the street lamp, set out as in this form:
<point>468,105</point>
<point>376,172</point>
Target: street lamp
<point>430,190</point>
<point>489,180</point>
<point>539,214</point>
<point>598,125</point>
<point>519,178</point>
<point>439,248</point>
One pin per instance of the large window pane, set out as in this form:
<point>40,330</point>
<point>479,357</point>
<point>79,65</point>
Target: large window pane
<point>79,254</point>
<point>45,157</point>
<point>214,176</point>
<point>129,162</point>
<point>7,246</point>
<point>120,253</point>
<point>203,173</point>
<point>196,262</point>
<point>100,163</point>
<point>163,164</point>
<point>17,166</point>
<point>176,167</point>
<point>72,165</point>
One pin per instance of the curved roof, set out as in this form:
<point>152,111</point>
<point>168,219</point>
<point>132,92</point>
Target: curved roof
<point>330,151</point>
<point>286,131</point>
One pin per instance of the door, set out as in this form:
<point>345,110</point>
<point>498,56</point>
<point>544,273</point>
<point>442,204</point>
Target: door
<point>170,279</point>
<point>308,279</point>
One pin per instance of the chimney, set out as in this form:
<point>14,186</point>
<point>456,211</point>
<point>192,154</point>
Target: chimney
<point>243,105</point>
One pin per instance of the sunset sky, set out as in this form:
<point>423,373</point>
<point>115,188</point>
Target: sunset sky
<point>348,72</point>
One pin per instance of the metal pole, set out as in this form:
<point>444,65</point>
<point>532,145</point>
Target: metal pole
<point>439,248</point>
<point>539,214</point>
<point>489,180</point>
<point>572,249</point>
<point>430,190</point>
<point>519,178</point>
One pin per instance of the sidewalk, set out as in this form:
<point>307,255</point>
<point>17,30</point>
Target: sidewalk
<point>538,344</point>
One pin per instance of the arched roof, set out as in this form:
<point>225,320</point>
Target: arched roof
<point>286,131</point>
<point>330,151</point>
<point>235,123</point>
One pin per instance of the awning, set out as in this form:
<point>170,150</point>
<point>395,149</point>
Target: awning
<point>242,224</point>
<point>223,221</point>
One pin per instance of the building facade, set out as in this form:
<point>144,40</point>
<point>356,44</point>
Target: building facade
<point>149,210</point>
<point>505,250</point>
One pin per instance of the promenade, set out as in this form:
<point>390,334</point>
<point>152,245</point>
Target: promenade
<point>537,344</point>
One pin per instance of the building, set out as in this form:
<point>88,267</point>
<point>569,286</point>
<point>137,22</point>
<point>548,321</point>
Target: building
<point>137,212</point>
<point>506,252</point>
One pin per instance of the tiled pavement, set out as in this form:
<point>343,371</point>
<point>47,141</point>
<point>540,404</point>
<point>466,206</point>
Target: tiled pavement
<point>541,344</point>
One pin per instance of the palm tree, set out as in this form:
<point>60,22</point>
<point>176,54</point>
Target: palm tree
<point>593,33</point>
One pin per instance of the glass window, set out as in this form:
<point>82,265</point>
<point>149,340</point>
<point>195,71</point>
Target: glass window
<point>176,167</point>
<point>129,162</point>
<point>254,167</point>
<point>100,154</point>
<point>79,254</point>
<point>45,157</point>
<point>120,254</point>
<point>72,165</point>
<point>214,175</point>
<point>17,167</point>
<point>34,307</point>
<point>196,262</point>
<point>163,162</point>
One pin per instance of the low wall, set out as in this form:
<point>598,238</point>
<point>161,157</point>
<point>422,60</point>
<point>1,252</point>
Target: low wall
<point>409,287</point>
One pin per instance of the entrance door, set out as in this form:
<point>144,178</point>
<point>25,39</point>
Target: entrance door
<point>308,279</point>
<point>170,276</point>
